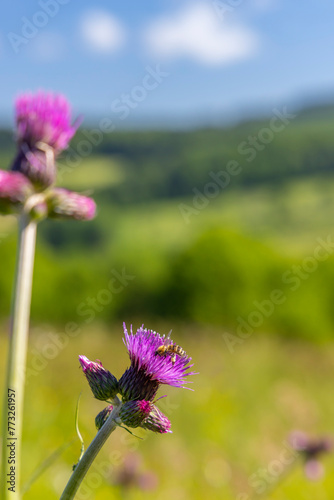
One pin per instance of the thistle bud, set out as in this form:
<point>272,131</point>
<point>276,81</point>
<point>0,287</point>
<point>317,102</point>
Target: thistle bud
<point>102,383</point>
<point>133,413</point>
<point>144,414</point>
<point>15,189</point>
<point>156,421</point>
<point>65,204</point>
<point>103,416</point>
<point>38,164</point>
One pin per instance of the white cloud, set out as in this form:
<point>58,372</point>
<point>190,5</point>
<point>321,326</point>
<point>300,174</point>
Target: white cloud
<point>101,31</point>
<point>198,33</point>
<point>47,47</point>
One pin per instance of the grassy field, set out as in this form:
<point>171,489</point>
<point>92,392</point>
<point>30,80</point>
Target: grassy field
<point>231,427</point>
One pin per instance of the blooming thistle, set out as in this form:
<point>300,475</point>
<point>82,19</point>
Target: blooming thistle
<point>103,384</point>
<point>44,129</point>
<point>310,450</point>
<point>148,369</point>
<point>139,383</point>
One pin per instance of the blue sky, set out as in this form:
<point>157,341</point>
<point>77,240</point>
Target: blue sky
<point>213,60</point>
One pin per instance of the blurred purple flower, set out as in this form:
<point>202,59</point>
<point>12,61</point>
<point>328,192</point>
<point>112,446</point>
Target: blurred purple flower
<point>310,450</point>
<point>44,118</point>
<point>149,370</point>
<point>43,130</point>
<point>129,475</point>
<point>65,204</point>
<point>15,188</point>
<point>314,470</point>
<point>102,383</point>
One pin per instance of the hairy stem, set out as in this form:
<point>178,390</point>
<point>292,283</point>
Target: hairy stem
<point>17,354</point>
<point>90,454</point>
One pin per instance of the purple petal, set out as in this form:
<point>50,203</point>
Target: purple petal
<point>142,347</point>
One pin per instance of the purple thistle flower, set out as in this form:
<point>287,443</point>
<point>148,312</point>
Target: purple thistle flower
<point>149,369</point>
<point>102,383</point>
<point>144,414</point>
<point>310,450</point>
<point>65,204</point>
<point>44,129</point>
<point>102,416</point>
<point>15,188</point>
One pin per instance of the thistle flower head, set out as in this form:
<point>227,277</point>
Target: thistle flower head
<point>155,360</point>
<point>145,414</point>
<point>65,204</point>
<point>44,118</point>
<point>43,123</point>
<point>15,189</point>
<point>310,450</point>
<point>149,368</point>
<point>102,383</point>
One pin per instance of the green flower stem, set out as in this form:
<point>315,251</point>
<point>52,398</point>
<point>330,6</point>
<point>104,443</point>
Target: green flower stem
<point>17,355</point>
<point>90,454</point>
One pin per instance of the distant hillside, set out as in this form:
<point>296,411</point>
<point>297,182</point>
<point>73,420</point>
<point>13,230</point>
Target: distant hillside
<point>142,165</point>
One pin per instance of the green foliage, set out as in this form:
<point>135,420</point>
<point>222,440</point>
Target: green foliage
<point>200,272</point>
<point>215,279</point>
